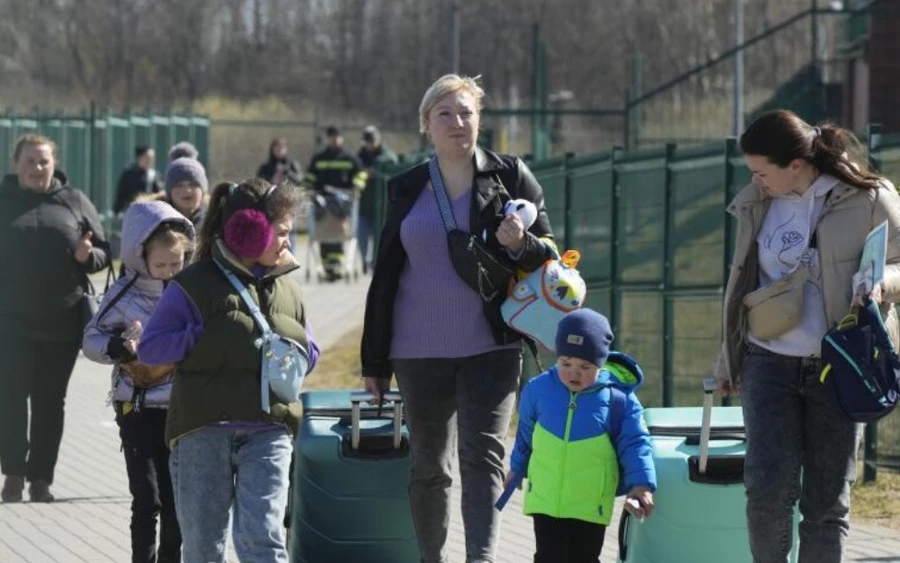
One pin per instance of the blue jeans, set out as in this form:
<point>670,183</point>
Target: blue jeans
<point>794,428</point>
<point>462,404</point>
<point>364,233</point>
<point>215,469</point>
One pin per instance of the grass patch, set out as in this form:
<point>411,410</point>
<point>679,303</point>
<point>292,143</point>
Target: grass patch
<point>877,503</point>
<point>339,366</point>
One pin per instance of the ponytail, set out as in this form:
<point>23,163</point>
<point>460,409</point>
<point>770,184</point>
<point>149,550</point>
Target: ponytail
<point>832,150</point>
<point>212,221</point>
<point>782,137</point>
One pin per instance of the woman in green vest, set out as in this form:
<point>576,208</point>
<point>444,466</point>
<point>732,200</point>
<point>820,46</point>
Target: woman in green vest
<point>227,452</point>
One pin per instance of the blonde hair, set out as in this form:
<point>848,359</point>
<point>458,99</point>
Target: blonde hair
<point>170,234</point>
<point>448,84</point>
<point>32,139</point>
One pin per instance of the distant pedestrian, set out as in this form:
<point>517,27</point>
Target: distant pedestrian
<point>139,178</point>
<point>183,149</point>
<point>372,153</point>
<point>280,167</point>
<point>334,168</point>
<point>186,187</point>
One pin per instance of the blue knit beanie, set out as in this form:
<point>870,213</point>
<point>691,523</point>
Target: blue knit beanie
<point>182,169</point>
<point>584,334</point>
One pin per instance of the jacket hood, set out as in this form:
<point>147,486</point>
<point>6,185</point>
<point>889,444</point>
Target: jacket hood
<point>751,194</point>
<point>57,183</point>
<point>141,219</point>
<point>622,371</point>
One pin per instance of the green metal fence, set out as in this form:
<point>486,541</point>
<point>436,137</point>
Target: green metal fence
<point>656,246</point>
<point>94,149</point>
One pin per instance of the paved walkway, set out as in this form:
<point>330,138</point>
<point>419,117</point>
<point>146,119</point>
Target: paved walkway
<point>89,523</point>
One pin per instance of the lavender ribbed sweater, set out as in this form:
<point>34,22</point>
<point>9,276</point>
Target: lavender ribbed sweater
<point>436,315</point>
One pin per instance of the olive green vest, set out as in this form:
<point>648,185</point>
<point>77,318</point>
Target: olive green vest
<point>219,380</point>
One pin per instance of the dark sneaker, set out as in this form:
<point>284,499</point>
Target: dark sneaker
<point>12,489</point>
<point>39,491</point>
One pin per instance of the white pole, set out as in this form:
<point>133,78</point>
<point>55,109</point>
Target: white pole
<point>737,118</point>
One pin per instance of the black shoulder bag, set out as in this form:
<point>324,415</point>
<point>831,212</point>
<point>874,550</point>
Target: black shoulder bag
<point>473,261</point>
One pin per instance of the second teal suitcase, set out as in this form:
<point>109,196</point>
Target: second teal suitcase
<point>349,499</point>
<point>699,517</point>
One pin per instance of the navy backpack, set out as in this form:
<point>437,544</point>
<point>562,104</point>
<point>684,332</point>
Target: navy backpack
<point>860,365</point>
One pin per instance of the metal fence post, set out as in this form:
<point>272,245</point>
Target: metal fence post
<point>567,200</point>
<point>92,146</point>
<point>731,152</point>
<point>870,449</point>
<point>668,374</point>
<point>615,311</point>
<point>626,127</point>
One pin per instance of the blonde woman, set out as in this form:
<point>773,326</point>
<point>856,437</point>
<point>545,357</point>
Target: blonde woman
<point>456,363</point>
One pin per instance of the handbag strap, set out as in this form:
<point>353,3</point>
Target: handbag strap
<point>440,194</point>
<point>877,324</point>
<point>260,319</point>
<point>118,297</point>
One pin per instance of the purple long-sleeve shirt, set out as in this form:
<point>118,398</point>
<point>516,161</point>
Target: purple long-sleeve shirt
<point>176,325</point>
<point>436,315</point>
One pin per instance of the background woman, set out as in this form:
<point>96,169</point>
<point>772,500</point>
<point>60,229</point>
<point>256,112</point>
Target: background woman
<point>51,240</point>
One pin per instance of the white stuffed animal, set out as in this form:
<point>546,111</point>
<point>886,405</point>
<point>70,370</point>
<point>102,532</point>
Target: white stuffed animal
<point>526,211</point>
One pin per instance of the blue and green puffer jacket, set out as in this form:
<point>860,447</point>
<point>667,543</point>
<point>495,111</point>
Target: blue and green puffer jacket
<point>572,449</point>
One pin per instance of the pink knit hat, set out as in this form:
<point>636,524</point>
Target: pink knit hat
<point>248,233</point>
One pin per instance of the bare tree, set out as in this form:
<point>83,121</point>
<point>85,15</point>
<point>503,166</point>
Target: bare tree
<point>371,57</point>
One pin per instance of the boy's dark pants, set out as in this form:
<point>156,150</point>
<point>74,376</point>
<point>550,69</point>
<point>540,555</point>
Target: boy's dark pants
<point>559,540</point>
<point>40,371</point>
<point>147,463</point>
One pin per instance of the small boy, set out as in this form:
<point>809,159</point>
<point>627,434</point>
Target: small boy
<point>578,423</point>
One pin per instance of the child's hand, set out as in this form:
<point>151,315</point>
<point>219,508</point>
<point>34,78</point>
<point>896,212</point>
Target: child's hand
<point>639,502</point>
<point>509,479</point>
<point>132,336</point>
<point>726,388</point>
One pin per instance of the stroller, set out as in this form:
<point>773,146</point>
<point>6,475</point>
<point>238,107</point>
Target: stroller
<point>332,218</point>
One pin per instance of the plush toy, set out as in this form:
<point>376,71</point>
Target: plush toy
<point>526,211</point>
<point>538,302</point>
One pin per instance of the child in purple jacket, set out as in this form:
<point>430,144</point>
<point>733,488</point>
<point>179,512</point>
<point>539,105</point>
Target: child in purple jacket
<point>156,242</point>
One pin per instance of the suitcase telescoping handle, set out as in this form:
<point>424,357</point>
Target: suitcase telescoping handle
<point>358,397</point>
<point>709,387</point>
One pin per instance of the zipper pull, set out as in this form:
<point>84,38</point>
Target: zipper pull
<point>572,400</point>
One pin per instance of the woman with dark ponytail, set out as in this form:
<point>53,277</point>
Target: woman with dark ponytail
<point>802,221</point>
<point>227,451</point>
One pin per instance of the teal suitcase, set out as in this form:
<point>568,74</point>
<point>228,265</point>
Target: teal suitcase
<point>349,499</point>
<point>700,513</point>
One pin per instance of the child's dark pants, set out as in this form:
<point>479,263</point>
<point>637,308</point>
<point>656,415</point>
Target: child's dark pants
<point>566,539</point>
<point>147,463</point>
